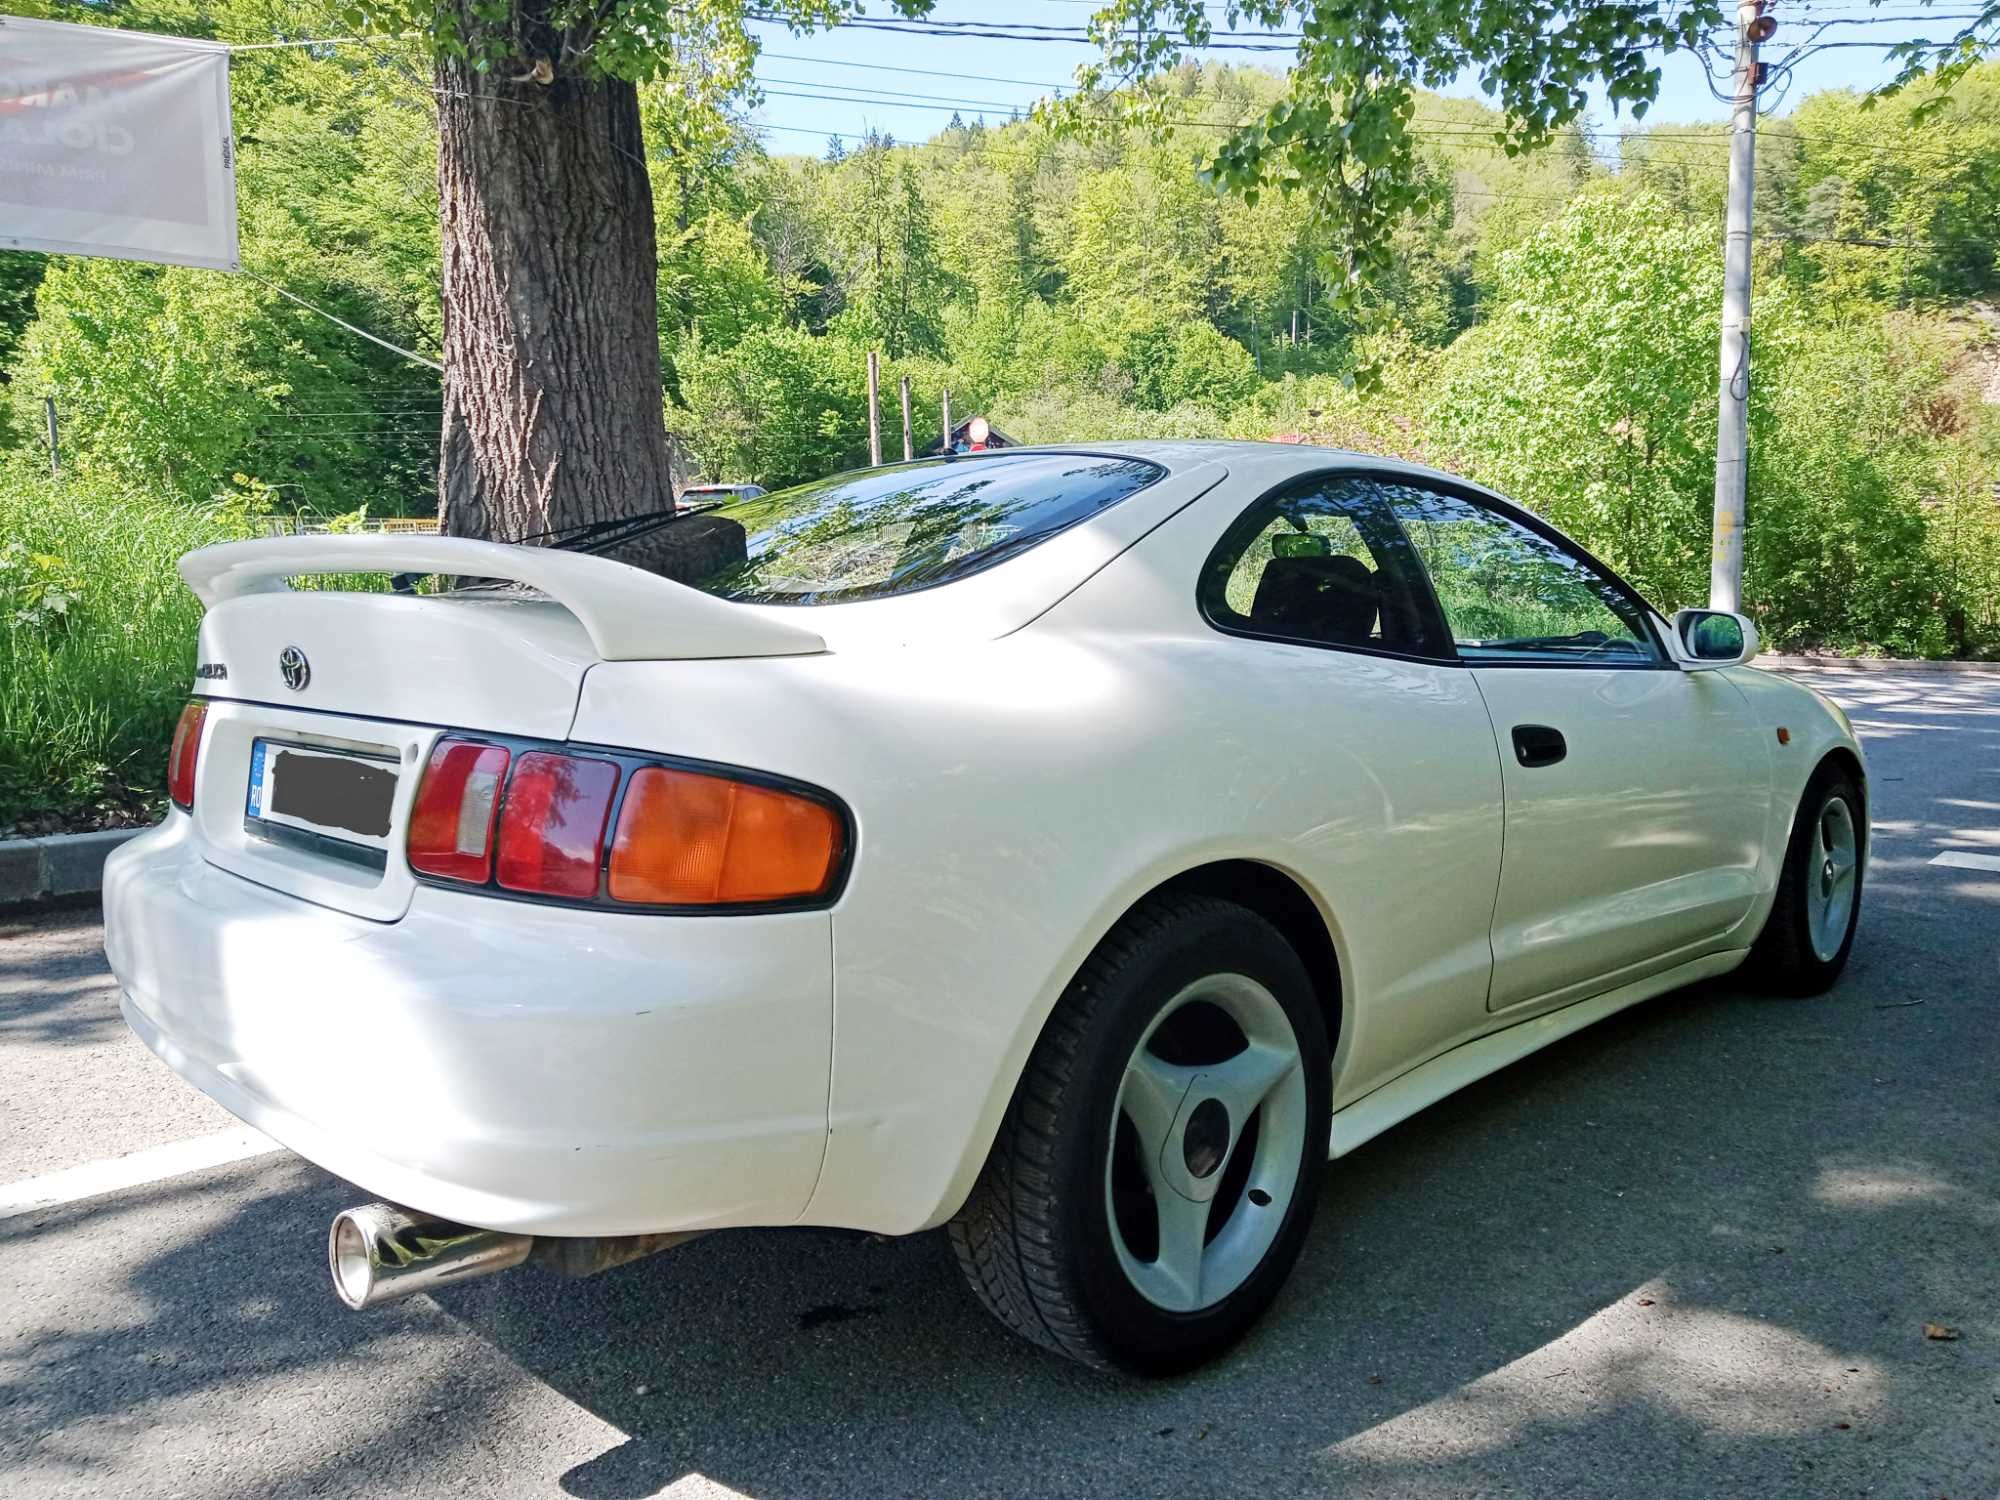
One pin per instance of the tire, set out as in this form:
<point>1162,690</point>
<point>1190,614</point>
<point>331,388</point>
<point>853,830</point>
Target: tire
<point>1053,1238</point>
<point>1801,951</point>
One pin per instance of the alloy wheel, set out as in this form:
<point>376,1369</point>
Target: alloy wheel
<point>1207,1132</point>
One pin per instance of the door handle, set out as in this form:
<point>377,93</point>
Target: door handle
<point>1538,745</point>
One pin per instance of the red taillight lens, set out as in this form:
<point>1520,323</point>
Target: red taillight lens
<point>186,752</point>
<point>687,839</point>
<point>552,834</point>
<point>451,823</point>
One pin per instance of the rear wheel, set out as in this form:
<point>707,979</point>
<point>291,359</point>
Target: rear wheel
<point>1155,1174</point>
<point>1810,932</point>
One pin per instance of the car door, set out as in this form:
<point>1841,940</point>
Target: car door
<point>1392,786</point>
<point>1636,793</point>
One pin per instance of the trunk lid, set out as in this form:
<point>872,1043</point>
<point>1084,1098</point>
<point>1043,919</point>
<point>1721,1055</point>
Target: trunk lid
<point>299,677</point>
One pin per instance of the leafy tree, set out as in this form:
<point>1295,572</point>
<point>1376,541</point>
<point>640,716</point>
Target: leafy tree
<point>1187,363</point>
<point>715,282</point>
<point>778,407</point>
<point>1143,241</point>
<point>1925,214</point>
<point>1341,132</point>
<point>882,248</point>
<point>1590,392</point>
<point>176,378</point>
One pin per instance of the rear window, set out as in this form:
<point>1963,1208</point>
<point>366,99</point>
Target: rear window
<point>879,532</point>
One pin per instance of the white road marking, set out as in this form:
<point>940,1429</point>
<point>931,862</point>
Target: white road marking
<point>120,1173</point>
<point>1957,859</point>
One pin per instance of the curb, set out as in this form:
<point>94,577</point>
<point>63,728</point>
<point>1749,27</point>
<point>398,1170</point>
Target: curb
<point>64,864</point>
<point>1873,664</point>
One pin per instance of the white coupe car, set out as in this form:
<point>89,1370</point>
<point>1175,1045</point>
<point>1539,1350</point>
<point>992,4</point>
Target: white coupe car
<point>1073,848</point>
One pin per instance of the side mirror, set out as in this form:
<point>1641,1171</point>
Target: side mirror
<point>1714,638</point>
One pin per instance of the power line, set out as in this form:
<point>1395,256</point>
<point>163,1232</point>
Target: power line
<point>364,333</point>
<point>837,62</point>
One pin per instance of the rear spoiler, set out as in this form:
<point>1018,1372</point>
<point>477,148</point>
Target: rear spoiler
<point>629,614</point>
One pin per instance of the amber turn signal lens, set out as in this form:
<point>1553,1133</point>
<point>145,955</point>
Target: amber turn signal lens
<point>687,839</point>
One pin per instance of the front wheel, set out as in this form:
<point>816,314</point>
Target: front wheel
<point>1155,1175</point>
<point>1810,931</point>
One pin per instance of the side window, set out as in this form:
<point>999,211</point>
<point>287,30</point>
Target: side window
<point>1324,564</point>
<point>1510,594</point>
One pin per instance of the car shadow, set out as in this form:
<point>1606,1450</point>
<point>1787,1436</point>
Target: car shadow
<point>1644,1180</point>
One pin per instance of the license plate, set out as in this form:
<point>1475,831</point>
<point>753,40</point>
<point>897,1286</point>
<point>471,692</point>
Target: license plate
<point>332,802</point>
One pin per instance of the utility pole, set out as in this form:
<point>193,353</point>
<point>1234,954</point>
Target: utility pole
<point>945,440</point>
<point>909,443</point>
<point>874,410</point>
<point>1732,428</point>
<point>55,452</point>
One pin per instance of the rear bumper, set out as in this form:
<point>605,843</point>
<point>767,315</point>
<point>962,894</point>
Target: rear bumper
<point>506,1065</point>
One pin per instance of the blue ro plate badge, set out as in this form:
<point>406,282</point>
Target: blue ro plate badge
<point>338,803</point>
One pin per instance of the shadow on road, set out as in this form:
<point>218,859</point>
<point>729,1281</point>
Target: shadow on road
<point>1698,1238</point>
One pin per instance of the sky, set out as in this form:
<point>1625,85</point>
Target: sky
<point>843,81</point>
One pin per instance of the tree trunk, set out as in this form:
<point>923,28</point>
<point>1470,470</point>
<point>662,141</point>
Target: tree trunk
<point>552,401</point>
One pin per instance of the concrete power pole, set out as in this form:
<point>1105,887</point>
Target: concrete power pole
<point>874,410</point>
<point>1732,428</point>
<point>944,415</point>
<point>909,446</point>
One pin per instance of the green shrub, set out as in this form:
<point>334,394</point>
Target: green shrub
<point>97,639</point>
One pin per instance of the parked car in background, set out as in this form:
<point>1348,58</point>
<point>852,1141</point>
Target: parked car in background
<point>1070,847</point>
<point>708,496</point>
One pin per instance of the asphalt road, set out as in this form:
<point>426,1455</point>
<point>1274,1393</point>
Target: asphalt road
<point>1690,1251</point>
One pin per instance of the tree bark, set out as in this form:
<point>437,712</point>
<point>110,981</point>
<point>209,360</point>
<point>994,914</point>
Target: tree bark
<point>553,414</point>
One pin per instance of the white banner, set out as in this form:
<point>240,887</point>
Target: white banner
<point>116,143</point>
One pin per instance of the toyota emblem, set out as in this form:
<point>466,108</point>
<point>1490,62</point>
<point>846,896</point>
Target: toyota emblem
<point>297,670</point>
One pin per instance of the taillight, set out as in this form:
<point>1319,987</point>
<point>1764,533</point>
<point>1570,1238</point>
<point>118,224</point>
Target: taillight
<point>185,753</point>
<point>451,822</point>
<point>689,839</point>
<point>552,832</point>
<point>538,822</point>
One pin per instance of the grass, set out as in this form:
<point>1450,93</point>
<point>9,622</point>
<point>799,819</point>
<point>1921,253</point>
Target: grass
<point>97,644</point>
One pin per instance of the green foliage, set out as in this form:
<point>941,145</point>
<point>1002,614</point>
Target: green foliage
<point>96,642</point>
<point>1341,133</point>
<point>778,407</point>
<point>886,280</point>
<point>1908,227</point>
<point>20,274</point>
<point>1187,362</point>
<point>1590,394</point>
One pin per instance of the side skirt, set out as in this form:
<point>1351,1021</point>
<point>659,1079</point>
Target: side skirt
<point>1447,1073</point>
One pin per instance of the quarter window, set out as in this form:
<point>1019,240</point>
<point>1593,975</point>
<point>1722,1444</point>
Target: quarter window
<point>1323,564</point>
<point>1511,594</point>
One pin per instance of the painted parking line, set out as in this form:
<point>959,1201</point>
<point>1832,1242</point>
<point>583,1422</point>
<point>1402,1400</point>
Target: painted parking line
<point>1957,859</point>
<point>120,1174</point>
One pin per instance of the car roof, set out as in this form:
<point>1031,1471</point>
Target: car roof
<point>1243,457</point>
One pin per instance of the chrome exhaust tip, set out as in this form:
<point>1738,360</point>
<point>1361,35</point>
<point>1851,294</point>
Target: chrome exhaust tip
<point>378,1253</point>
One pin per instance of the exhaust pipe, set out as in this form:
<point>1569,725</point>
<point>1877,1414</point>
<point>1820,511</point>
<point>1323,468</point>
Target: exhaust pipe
<point>379,1252</point>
